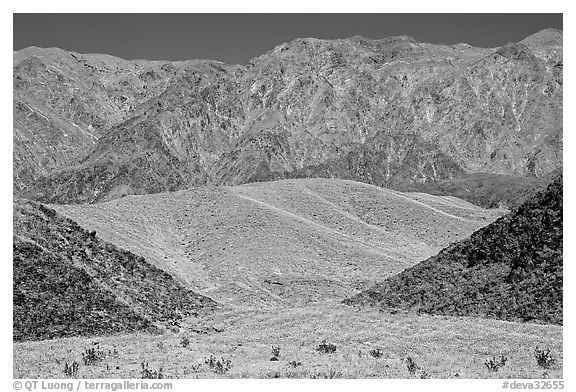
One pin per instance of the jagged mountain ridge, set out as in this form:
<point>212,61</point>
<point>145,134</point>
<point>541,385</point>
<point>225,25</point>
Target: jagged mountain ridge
<point>64,102</point>
<point>380,111</point>
<point>511,269</point>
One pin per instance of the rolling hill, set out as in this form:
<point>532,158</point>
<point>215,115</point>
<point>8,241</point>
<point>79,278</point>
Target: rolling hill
<point>284,242</point>
<point>68,282</point>
<point>387,112</point>
<point>510,269</point>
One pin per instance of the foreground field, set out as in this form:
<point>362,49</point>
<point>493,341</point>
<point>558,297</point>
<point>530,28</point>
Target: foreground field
<point>441,347</point>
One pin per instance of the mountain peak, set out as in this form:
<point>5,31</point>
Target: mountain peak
<point>546,37</point>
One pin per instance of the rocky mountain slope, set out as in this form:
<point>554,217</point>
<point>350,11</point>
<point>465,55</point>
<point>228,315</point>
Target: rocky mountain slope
<point>386,112</point>
<point>68,282</point>
<point>483,189</point>
<point>282,243</point>
<point>510,269</point>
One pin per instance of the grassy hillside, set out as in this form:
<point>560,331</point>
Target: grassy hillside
<point>284,242</point>
<point>511,269</point>
<point>68,282</point>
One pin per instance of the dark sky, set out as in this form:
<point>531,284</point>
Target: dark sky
<point>236,38</point>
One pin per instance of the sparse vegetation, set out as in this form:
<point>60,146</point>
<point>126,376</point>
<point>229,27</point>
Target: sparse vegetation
<point>93,356</point>
<point>424,374</point>
<point>327,374</point>
<point>150,373</point>
<point>509,270</point>
<point>55,296</point>
<point>359,329</point>
<point>326,348</point>
<point>494,364</point>
<point>544,358</point>
<point>219,366</point>
<point>276,351</point>
<point>376,353</point>
<point>184,341</point>
<point>411,366</point>
<point>71,369</point>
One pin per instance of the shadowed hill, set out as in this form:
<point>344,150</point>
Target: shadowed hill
<point>511,269</point>
<point>484,190</point>
<point>68,282</point>
<point>283,242</point>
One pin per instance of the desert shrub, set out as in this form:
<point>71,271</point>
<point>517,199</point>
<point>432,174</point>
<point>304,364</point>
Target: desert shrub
<point>326,348</point>
<point>71,369</point>
<point>184,342</point>
<point>411,366</point>
<point>330,373</point>
<point>424,374</point>
<point>544,358</point>
<point>192,369</point>
<point>294,364</point>
<point>219,366</point>
<point>93,355</point>
<point>494,364</point>
<point>275,351</point>
<point>113,353</point>
<point>145,372</point>
<point>376,353</point>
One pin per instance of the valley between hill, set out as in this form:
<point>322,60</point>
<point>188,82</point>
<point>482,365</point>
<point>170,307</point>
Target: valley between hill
<point>280,256</point>
<point>285,242</point>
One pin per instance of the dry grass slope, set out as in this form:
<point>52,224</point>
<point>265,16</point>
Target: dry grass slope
<point>283,242</point>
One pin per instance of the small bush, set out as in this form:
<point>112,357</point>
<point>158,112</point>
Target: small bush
<point>145,372</point>
<point>424,374</point>
<point>376,353</point>
<point>93,355</point>
<point>113,353</point>
<point>219,366</point>
<point>326,348</point>
<point>275,351</point>
<point>494,364</point>
<point>184,342</point>
<point>330,373</point>
<point>411,366</point>
<point>294,364</point>
<point>544,358</point>
<point>71,370</point>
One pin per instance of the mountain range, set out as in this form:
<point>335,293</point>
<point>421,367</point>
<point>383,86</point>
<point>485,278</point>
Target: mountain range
<point>391,112</point>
